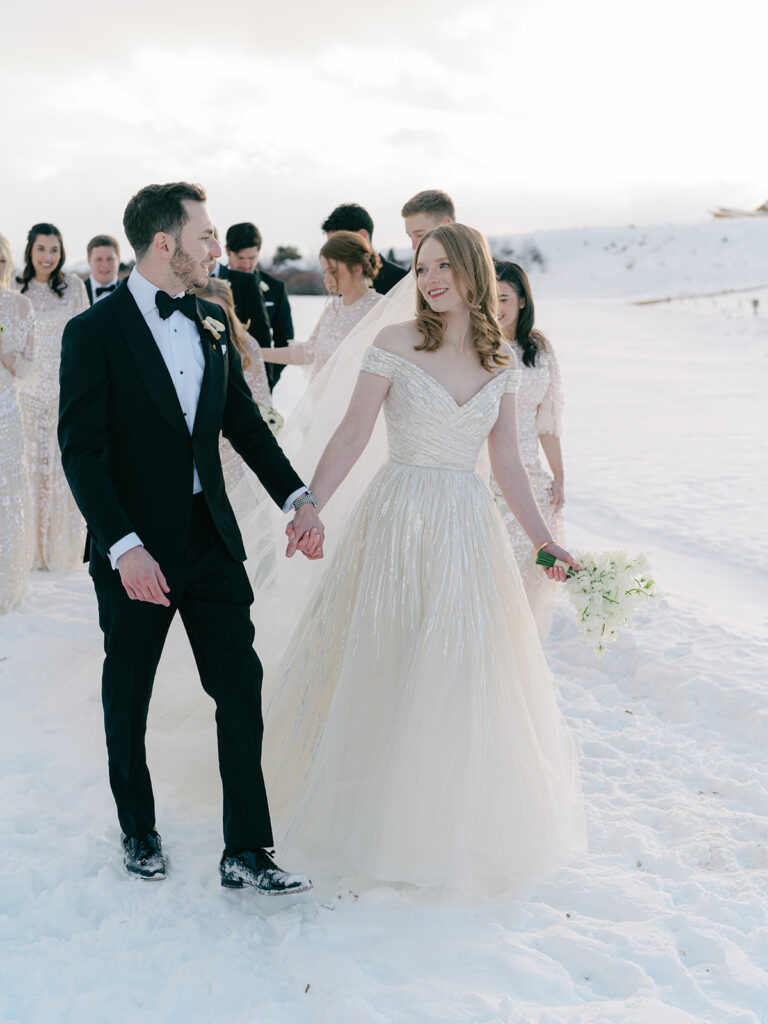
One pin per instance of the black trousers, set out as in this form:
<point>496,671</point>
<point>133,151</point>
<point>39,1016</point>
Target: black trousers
<point>213,596</point>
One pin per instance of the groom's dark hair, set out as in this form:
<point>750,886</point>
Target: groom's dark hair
<point>158,208</point>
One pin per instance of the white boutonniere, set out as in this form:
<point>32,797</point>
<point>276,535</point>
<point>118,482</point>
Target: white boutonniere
<point>272,418</point>
<point>214,327</point>
<point>264,286</point>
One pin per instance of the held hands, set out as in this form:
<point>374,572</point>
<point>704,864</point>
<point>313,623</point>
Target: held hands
<point>557,572</point>
<point>305,533</point>
<point>141,576</point>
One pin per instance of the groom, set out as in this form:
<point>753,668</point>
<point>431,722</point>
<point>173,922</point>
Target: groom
<point>149,380</point>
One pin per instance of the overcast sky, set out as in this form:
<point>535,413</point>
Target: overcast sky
<point>531,115</point>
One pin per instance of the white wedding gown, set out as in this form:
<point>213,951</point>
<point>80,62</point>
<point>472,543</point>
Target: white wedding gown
<point>412,732</point>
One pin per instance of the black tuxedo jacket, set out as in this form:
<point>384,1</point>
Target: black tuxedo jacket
<point>249,303</point>
<point>278,306</point>
<point>279,312</point>
<point>126,449</point>
<point>388,276</point>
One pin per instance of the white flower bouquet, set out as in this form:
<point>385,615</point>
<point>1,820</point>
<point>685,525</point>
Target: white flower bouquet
<point>272,418</point>
<point>605,592</point>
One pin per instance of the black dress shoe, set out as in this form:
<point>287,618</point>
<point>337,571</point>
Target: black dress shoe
<point>256,868</point>
<point>143,857</point>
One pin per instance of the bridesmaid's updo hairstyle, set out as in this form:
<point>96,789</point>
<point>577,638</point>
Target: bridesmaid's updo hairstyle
<point>530,341</point>
<point>56,282</point>
<point>6,269</point>
<point>157,208</point>
<point>472,267</point>
<point>352,250</point>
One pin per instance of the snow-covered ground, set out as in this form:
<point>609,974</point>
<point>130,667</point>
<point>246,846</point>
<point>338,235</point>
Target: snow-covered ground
<point>664,921</point>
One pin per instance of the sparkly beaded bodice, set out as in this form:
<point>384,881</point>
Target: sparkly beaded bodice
<point>425,425</point>
<point>335,323</point>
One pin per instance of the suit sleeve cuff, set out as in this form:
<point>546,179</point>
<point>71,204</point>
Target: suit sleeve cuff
<point>292,498</point>
<point>131,540</point>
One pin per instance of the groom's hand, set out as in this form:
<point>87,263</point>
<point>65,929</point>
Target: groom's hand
<point>305,533</point>
<point>141,576</point>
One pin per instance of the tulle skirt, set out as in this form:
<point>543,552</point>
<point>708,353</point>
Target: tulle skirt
<point>412,732</point>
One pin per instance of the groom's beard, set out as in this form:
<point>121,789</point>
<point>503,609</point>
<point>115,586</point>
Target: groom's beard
<point>191,273</point>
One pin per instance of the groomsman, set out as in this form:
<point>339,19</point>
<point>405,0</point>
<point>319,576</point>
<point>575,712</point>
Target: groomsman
<point>353,217</point>
<point>243,247</point>
<point>249,303</point>
<point>425,211</point>
<point>104,262</point>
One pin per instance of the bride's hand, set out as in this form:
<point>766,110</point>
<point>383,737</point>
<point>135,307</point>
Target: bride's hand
<point>305,533</point>
<point>557,572</point>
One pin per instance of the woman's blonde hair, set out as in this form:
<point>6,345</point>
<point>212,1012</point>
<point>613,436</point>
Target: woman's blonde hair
<point>472,267</point>
<point>6,272</point>
<point>215,289</point>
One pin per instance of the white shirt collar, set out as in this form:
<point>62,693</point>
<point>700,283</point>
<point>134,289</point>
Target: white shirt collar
<point>95,284</point>
<point>144,291</point>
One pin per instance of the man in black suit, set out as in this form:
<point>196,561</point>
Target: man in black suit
<point>104,263</point>
<point>353,217</point>
<point>243,245</point>
<point>249,302</point>
<point>149,380</point>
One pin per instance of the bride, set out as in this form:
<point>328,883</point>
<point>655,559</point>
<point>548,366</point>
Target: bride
<point>412,733</point>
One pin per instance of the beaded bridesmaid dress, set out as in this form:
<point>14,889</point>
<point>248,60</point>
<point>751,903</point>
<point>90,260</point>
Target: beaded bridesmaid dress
<point>59,528</point>
<point>17,339</point>
<point>335,323</point>
<point>413,734</point>
<point>539,411</point>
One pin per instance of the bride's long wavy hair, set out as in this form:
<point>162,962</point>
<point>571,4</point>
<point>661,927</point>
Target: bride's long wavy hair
<point>472,267</point>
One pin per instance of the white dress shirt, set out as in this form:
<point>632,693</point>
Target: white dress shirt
<point>95,284</point>
<point>179,342</point>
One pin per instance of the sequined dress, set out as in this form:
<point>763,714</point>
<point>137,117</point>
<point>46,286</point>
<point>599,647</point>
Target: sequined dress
<point>335,323</point>
<point>539,411</point>
<point>17,338</point>
<point>59,528</point>
<point>412,734</point>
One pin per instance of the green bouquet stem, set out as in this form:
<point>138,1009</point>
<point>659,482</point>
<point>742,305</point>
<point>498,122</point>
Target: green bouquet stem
<point>549,562</point>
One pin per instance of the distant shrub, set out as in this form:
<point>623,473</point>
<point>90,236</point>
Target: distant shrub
<point>300,282</point>
<point>285,254</point>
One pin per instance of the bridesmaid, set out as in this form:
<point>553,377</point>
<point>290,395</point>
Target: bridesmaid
<point>350,266</point>
<point>59,529</point>
<point>539,415</point>
<point>220,291</point>
<point>17,339</point>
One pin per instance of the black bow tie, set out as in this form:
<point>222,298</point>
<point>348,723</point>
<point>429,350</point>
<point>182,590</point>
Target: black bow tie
<point>166,306</point>
<point>105,288</point>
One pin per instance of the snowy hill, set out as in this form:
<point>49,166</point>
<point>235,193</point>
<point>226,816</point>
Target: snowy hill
<point>640,262</point>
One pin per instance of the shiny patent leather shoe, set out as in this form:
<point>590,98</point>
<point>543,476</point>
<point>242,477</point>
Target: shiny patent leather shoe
<point>256,868</point>
<point>143,857</point>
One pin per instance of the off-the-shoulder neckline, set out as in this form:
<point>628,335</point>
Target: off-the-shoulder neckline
<point>443,388</point>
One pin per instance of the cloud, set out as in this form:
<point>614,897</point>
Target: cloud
<point>523,110</point>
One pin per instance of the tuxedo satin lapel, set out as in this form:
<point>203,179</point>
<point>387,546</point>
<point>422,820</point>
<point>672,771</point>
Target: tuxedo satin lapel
<point>211,389</point>
<point>146,355</point>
